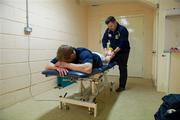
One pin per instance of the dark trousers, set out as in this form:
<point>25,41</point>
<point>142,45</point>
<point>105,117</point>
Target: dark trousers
<point>122,59</point>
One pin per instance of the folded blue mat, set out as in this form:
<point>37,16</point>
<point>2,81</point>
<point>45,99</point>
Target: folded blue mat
<point>80,74</point>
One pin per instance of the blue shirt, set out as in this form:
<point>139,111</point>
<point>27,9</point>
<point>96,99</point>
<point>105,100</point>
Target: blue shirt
<point>118,38</point>
<point>84,55</point>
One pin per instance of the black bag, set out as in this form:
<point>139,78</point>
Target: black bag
<point>170,108</point>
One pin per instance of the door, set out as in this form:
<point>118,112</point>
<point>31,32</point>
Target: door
<point>163,72</point>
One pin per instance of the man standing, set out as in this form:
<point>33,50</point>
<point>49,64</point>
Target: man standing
<point>117,35</point>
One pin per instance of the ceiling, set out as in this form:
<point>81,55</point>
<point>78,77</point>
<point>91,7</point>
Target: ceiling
<point>99,2</point>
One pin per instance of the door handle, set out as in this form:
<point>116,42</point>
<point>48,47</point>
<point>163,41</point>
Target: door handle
<point>153,51</point>
<point>163,55</point>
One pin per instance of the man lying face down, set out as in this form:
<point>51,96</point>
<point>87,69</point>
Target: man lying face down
<point>77,59</point>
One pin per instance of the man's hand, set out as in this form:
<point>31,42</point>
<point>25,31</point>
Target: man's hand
<point>58,64</point>
<point>61,64</point>
<point>109,57</point>
<point>116,50</point>
<point>113,53</point>
<point>106,51</point>
<point>61,67</point>
<point>62,71</point>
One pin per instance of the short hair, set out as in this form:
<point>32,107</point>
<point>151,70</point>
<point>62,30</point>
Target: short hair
<point>110,19</point>
<point>64,52</point>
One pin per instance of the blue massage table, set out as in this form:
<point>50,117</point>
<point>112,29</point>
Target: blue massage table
<point>80,74</point>
<point>86,97</point>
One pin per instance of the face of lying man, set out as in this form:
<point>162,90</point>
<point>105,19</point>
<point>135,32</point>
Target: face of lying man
<point>112,26</point>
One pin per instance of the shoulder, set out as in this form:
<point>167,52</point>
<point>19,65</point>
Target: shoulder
<point>107,30</point>
<point>83,50</point>
<point>122,29</point>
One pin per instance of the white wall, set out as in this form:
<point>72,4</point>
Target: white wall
<point>54,22</point>
<point>174,79</point>
<point>172,36</point>
<point>97,13</point>
<point>162,79</point>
